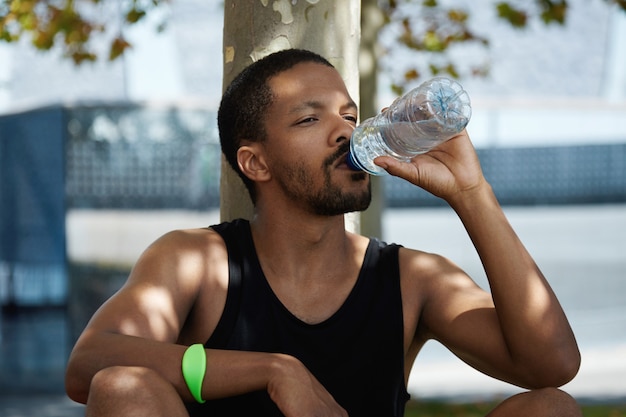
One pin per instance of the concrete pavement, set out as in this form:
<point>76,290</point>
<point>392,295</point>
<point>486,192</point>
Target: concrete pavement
<point>40,405</point>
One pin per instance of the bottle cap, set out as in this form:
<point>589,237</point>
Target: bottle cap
<point>353,163</point>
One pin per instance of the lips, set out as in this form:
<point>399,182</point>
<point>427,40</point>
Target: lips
<point>342,161</point>
<point>340,158</point>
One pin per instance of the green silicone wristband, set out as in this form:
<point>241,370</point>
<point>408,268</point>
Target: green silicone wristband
<point>194,368</point>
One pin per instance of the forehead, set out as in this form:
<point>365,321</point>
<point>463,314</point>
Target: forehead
<point>306,80</point>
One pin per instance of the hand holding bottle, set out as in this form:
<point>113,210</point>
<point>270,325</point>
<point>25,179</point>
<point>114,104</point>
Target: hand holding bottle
<point>446,171</point>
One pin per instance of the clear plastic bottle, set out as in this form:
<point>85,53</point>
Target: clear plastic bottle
<point>415,123</point>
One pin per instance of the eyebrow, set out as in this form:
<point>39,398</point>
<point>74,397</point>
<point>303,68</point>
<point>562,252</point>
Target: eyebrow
<point>314,104</point>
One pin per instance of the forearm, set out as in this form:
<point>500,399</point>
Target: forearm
<point>95,351</point>
<point>232,372</point>
<point>228,372</point>
<point>534,326</point>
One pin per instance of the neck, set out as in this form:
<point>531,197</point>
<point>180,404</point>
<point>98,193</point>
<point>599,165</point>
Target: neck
<point>298,246</point>
<point>311,262</point>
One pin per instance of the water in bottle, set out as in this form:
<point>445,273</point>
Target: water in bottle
<point>415,123</point>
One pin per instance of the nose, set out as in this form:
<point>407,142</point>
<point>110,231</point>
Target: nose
<point>342,132</point>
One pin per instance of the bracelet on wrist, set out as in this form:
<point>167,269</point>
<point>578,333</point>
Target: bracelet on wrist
<point>194,368</point>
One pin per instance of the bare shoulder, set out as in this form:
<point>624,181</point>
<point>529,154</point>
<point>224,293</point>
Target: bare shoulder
<point>181,257</point>
<point>181,275</point>
<point>422,271</point>
<point>418,274</point>
<point>181,240</point>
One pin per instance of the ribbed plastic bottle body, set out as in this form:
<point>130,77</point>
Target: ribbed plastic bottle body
<point>414,124</point>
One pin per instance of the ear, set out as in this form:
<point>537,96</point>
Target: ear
<point>252,163</point>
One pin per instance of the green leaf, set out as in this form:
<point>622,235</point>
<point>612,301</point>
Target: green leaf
<point>134,15</point>
<point>411,74</point>
<point>43,40</point>
<point>451,70</point>
<point>553,12</point>
<point>433,42</point>
<point>397,89</point>
<point>118,46</point>
<point>457,15</point>
<point>82,56</point>
<point>6,36</point>
<point>517,18</point>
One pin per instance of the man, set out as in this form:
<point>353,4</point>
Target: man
<point>292,315</point>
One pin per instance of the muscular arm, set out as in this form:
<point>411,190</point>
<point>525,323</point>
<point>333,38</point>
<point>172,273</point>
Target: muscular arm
<point>519,332</point>
<point>149,319</point>
<point>536,332</point>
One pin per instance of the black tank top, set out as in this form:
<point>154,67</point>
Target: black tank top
<point>357,353</point>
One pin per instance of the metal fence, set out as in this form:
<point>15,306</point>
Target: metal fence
<point>132,157</point>
<point>538,176</point>
<point>32,207</point>
<point>113,156</point>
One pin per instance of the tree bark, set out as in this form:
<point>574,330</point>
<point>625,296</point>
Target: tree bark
<point>372,20</point>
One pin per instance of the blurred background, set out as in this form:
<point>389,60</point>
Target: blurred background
<point>98,160</point>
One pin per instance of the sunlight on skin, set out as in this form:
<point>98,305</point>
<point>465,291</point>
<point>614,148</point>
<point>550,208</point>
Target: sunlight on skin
<point>540,298</point>
<point>158,307</point>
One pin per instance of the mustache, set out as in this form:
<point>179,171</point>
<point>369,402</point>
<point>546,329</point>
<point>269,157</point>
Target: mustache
<point>340,153</point>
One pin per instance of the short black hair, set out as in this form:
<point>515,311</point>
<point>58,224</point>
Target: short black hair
<point>243,108</point>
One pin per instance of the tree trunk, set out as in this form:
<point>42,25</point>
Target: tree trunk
<point>253,29</point>
<point>372,20</point>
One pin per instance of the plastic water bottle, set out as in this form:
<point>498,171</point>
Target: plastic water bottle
<point>415,123</point>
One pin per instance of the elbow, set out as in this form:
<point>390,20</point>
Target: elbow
<point>570,368</point>
<point>75,387</point>
<point>75,393</point>
<point>559,371</point>
<point>569,365</point>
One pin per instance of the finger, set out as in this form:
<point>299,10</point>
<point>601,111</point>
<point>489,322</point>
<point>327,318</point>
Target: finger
<point>396,168</point>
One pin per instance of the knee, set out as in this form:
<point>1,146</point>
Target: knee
<point>544,402</point>
<point>558,401</point>
<point>119,380</point>
<point>136,391</point>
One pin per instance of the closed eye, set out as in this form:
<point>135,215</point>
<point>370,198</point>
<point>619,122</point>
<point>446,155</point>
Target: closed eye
<point>306,120</point>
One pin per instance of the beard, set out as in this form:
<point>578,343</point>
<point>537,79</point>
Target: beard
<point>329,199</point>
